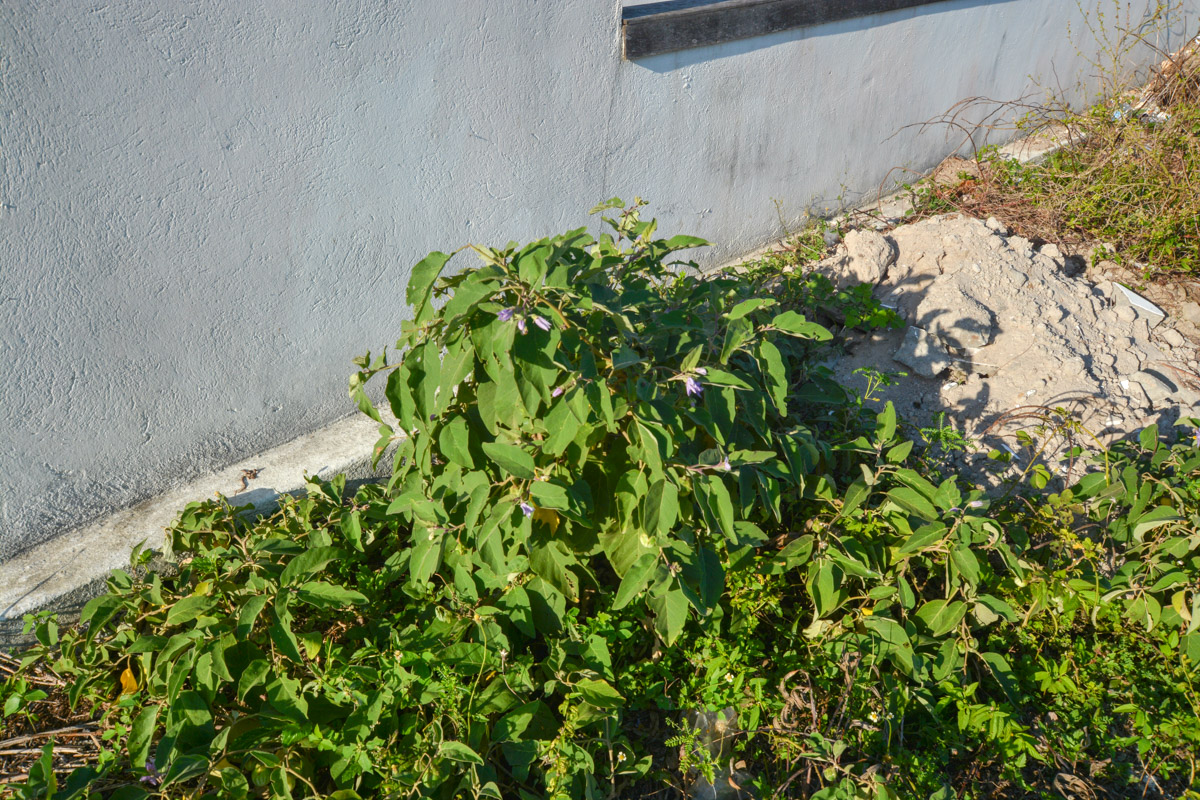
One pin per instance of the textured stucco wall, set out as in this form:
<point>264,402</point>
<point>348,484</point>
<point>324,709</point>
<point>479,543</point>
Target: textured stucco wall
<point>207,208</point>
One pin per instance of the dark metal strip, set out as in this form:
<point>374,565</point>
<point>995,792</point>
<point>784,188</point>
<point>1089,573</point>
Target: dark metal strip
<point>681,24</point>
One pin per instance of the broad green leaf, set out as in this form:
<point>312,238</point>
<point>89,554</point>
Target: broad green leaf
<point>771,362</point>
<point>796,552</point>
<point>516,603</point>
<point>512,459</point>
<point>282,636</point>
<point>458,363</point>
<point>549,494</point>
<point>188,609</point>
<point>913,480</point>
<point>966,563</point>
<point>636,579</point>
<point>141,734</point>
<point>747,306</point>
<point>893,640</point>
<point>823,588</point>
<point>421,279</point>
<point>364,403</point>
<point>249,613</point>
<point>856,493</point>
<point>599,693</point>
<point>552,564</point>
<point>99,612</point>
<point>670,613</point>
<point>351,525</point>
<point>1189,646</point>
<point>1154,518</point>
<point>600,398</point>
<point>682,242</point>
<point>795,324</point>
<point>624,545</point>
<point>711,578</point>
<point>913,502</point>
<point>454,441</point>
<point>457,751</point>
<point>425,557</point>
<point>41,773</point>
<point>692,359</point>
<point>719,377</point>
<point>660,510</point>
<point>252,676</point>
<point>722,505</point>
<point>650,450</point>
<point>326,595</point>
<point>624,357</point>
<point>547,604</point>
<point>997,606</point>
<point>897,454</point>
<point>1003,674</point>
<point>737,334</point>
<point>948,495</point>
<point>400,398</point>
<point>562,426</point>
<point>942,616</point>
<point>308,562</point>
<point>923,538</point>
<point>1148,438</point>
<point>885,424</point>
<point>185,768</point>
<point>284,693</point>
<point>1172,578</point>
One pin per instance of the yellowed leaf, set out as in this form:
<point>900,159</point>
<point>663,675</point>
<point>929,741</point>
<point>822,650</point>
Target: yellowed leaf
<point>129,683</point>
<point>548,516</point>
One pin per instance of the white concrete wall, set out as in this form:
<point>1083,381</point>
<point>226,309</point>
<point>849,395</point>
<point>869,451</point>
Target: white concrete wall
<point>208,207</point>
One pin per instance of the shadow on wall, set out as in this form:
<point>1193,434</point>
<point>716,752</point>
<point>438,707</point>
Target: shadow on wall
<point>668,62</point>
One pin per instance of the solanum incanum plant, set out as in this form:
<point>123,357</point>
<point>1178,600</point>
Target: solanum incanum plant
<point>583,406</point>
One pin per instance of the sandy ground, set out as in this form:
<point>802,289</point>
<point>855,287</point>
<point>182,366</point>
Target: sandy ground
<point>1003,336</point>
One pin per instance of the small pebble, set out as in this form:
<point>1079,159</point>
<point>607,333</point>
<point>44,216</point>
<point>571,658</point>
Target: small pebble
<point>1172,337</point>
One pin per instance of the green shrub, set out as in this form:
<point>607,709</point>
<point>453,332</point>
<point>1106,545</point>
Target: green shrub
<point>621,493</point>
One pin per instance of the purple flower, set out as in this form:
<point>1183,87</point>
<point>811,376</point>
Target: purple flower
<point>521,324</point>
<point>153,779</point>
<point>1196,437</point>
<point>558,390</point>
<point>504,314</point>
<point>542,323</point>
<point>725,465</point>
<point>694,389</point>
<point>527,509</point>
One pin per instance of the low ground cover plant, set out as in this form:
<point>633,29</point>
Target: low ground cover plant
<point>634,542</point>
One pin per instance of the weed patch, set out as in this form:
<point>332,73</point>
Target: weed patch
<point>636,542</point>
<point>1129,177</point>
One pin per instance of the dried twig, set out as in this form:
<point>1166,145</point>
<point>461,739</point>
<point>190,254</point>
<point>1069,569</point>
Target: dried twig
<point>34,751</point>
<point>72,731</point>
